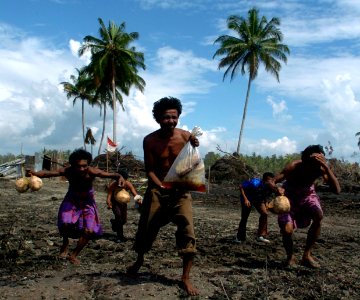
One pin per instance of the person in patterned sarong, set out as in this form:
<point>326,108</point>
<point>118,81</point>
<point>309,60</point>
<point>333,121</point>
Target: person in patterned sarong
<point>299,178</point>
<point>78,215</point>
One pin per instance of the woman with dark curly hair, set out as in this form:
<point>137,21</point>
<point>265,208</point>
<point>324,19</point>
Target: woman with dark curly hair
<point>299,177</point>
<point>78,215</point>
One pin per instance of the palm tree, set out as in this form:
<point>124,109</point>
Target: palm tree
<point>104,98</point>
<point>114,64</point>
<point>256,42</point>
<point>89,138</point>
<point>358,134</point>
<point>79,88</point>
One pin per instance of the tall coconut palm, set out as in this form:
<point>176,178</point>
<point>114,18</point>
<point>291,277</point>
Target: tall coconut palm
<point>358,134</point>
<point>104,98</point>
<point>114,64</point>
<point>79,89</point>
<point>256,41</point>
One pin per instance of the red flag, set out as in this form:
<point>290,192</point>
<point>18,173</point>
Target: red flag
<point>111,143</point>
<point>111,146</point>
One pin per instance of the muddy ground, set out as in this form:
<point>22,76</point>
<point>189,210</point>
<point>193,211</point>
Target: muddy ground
<point>30,269</point>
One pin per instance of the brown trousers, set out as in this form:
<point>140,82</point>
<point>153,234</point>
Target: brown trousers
<point>160,208</point>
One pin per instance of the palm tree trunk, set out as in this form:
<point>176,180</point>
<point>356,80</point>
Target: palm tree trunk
<point>103,131</point>
<point>83,122</point>
<point>114,109</point>
<point>244,115</point>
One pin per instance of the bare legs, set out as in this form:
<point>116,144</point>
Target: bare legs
<point>82,242</point>
<point>288,244</point>
<point>187,264</point>
<point>133,269</point>
<point>312,236</point>
<point>64,247</point>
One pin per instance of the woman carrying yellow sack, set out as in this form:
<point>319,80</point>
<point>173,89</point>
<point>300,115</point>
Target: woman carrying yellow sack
<point>117,200</point>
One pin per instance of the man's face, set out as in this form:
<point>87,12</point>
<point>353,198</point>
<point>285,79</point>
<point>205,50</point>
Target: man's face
<point>169,119</point>
<point>81,166</point>
<point>269,180</point>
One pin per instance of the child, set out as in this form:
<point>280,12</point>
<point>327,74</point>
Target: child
<point>120,209</point>
<point>255,192</point>
<point>78,214</point>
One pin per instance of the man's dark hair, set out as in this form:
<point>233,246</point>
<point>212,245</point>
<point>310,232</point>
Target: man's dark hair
<point>79,154</point>
<point>305,155</point>
<point>268,174</point>
<point>123,173</point>
<point>166,103</point>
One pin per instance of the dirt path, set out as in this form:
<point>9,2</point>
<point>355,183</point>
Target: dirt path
<point>30,268</point>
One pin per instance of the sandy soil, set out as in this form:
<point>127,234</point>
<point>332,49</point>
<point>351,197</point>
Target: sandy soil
<point>30,269</point>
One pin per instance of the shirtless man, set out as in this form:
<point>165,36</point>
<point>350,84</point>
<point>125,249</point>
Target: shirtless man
<point>300,177</point>
<point>78,214</point>
<point>162,205</point>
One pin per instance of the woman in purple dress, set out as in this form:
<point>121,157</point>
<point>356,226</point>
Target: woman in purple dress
<point>78,214</point>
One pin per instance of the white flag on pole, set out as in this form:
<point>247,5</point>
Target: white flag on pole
<point>111,146</point>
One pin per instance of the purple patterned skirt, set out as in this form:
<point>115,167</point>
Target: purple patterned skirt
<point>304,203</point>
<point>78,215</point>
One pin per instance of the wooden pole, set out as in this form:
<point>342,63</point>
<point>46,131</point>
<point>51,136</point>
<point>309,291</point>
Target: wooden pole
<point>209,176</point>
<point>107,161</point>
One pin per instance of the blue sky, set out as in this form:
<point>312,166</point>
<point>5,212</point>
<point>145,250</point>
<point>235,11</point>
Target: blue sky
<point>315,102</point>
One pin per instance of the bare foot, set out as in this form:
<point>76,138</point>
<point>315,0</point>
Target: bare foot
<point>310,262</point>
<point>63,254</point>
<point>189,288</point>
<point>73,260</point>
<point>63,251</point>
<point>134,269</point>
<point>290,262</point>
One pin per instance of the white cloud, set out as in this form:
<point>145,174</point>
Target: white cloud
<point>173,4</point>
<point>279,109</point>
<point>339,111</point>
<point>326,91</point>
<point>74,48</point>
<point>304,76</point>
<point>280,146</point>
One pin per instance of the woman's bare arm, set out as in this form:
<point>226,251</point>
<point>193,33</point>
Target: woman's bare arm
<point>103,174</point>
<point>46,173</point>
